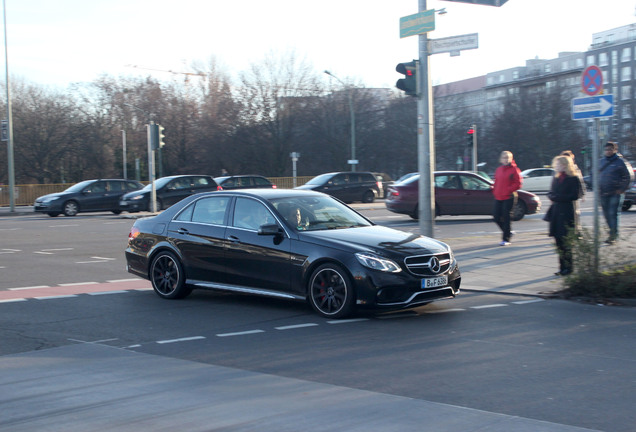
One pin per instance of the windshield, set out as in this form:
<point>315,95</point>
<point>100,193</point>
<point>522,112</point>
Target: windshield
<point>79,186</point>
<point>158,184</point>
<point>318,180</point>
<point>311,213</point>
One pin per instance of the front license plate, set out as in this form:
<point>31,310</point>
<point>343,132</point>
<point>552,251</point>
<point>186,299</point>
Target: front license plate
<point>435,282</point>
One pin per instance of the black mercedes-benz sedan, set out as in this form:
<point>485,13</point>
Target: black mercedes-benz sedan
<point>292,244</point>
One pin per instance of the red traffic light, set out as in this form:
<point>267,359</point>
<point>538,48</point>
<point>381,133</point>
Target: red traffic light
<point>471,131</point>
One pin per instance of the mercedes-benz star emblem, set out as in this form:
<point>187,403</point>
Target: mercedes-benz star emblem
<point>434,265</point>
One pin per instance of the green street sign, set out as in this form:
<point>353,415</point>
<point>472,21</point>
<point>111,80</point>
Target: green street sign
<point>421,22</point>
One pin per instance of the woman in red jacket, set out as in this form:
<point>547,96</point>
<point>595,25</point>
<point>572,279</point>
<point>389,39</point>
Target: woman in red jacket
<point>507,183</point>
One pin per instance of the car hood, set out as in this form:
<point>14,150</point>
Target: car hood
<point>49,196</point>
<point>308,187</point>
<point>381,240</point>
<point>133,194</point>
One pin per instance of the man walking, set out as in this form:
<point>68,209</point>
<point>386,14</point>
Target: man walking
<point>615,176</point>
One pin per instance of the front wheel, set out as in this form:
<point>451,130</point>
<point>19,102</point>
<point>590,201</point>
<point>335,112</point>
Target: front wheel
<point>167,276</point>
<point>331,291</point>
<point>518,211</point>
<point>368,197</point>
<point>70,208</point>
<point>53,214</point>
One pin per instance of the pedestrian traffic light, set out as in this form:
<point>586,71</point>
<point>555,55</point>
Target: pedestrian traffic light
<point>409,83</point>
<point>470,138</point>
<point>160,136</point>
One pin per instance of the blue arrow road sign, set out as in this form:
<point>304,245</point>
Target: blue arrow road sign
<point>592,107</point>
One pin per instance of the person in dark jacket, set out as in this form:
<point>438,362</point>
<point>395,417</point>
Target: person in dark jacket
<point>615,176</point>
<point>507,183</point>
<point>564,193</point>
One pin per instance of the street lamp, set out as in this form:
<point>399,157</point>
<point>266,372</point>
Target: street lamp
<point>353,160</point>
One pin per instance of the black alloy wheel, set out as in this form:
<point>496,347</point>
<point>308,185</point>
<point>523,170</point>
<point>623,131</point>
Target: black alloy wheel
<point>368,197</point>
<point>331,292</point>
<point>167,276</point>
<point>71,208</point>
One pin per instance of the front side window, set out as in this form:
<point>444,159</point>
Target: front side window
<point>473,183</point>
<point>447,182</point>
<point>251,214</point>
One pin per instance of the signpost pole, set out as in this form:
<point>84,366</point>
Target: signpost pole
<point>595,188</point>
<point>425,139</point>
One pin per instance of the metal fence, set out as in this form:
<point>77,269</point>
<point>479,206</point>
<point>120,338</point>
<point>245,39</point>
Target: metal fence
<point>25,195</point>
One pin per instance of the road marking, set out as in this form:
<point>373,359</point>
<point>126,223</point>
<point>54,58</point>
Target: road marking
<point>347,321</point>
<point>528,301</point>
<point>124,280</point>
<point>102,258</point>
<point>13,300</point>
<point>77,283</point>
<point>489,306</point>
<point>58,249</point>
<point>10,229</point>
<point>113,223</point>
<point>291,327</point>
<point>63,226</point>
<point>97,260</point>
<point>55,297</point>
<point>107,292</point>
<point>30,287</point>
<point>43,253</point>
<point>248,332</point>
<point>444,311</point>
<point>9,251</point>
<point>180,339</point>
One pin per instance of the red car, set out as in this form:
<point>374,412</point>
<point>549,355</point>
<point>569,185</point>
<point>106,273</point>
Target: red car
<point>457,193</point>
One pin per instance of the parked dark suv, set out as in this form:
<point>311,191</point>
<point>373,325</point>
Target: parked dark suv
<point>244,182</point>
<point>347,186</point>
<point>86,196</point>
<point>170,190</point>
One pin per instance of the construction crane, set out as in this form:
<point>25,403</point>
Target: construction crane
<point>187,74</point>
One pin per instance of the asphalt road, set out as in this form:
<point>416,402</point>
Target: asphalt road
<point>559,362</point>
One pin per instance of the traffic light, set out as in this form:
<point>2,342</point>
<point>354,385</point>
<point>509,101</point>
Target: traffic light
<point>409,83</point>
<point>470,138</point>
<point>160,136</point>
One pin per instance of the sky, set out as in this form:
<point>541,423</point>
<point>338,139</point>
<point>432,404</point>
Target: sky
<point>59,42</point>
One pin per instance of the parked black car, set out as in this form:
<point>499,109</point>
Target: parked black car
<point>347,186</point>
<point>289,244</point>
<point>169,190</point>
<point>244,182</point>
<point>87,196</point>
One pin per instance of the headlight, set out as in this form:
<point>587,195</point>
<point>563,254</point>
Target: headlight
<point>137,197</point>
<point>535,199</point>
<point>47,199</point>
<point>377,263</point>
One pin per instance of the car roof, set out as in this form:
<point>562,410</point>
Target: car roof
<point>266,193</point>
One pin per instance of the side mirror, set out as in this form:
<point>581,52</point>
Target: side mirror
<point>270,230</point>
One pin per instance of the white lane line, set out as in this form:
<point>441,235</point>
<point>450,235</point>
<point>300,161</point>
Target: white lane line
<point>243,333</point>
<point>96,261</point>
<point>9,251</point>
<point>489,306</point>
<point>55,297</point>
<point>528,301</point>
<point>113,223</point>
<point>63,226</point>
<point>133,346</point>
<point>296,326</point>
<point>10,229</point>
<point>445,310</point>
<point>124,280</point>
<point>347,321</point>
<point>180,339</point>
<point>78,283</point>
<point>29,287</point>
<point>106,292</point>
<point>58,249</point>
<point>43,253</point>
<point>13,300</point>
<point>102,258</point>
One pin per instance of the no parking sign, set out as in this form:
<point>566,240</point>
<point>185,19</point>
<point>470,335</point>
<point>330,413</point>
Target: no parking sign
<point>592,80</point>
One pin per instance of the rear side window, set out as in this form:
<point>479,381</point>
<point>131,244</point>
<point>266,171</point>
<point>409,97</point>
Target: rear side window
<point>210,210</point>
<point>115,186</point>
<point>261,181</point>
<point>202,182</point>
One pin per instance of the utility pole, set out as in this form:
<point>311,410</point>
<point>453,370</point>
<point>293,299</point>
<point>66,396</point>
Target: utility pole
<point>425,138</point>
<point>123,137</point>
<point>10,158</point>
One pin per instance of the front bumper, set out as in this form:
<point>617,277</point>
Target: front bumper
<point>133,206</point>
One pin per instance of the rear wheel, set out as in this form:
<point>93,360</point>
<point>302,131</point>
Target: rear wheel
<point>626,205</point>
<point>53,214</point>
<point>368,197</point>
<point>331,292</point>
<point>116,212</point>
<point>518,211</point>
<point>70,208</point>
<point>167,276</point>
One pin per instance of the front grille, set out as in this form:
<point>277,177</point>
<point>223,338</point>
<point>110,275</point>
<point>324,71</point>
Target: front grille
<point>428,265</point>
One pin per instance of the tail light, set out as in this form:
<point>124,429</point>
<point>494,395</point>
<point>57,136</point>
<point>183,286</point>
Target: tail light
<point>133,234</point>
<point>219,188</point>
<point>273,186</point>
<point>379,185</point>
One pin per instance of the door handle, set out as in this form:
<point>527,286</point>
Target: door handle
<point>183,231</point>
<point>233,239</point>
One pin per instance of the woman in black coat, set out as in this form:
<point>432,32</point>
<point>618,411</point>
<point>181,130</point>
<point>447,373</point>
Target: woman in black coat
<point>564,193</point>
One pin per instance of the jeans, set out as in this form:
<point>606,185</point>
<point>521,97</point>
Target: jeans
<point>611,205</point>
<point>501,213</point>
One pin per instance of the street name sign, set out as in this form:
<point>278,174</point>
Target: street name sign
<point>419,23</point>
<point>453,44</point>
<point>592,107</point>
